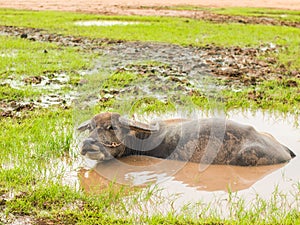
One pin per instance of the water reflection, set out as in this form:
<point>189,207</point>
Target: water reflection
<point>142,170</point>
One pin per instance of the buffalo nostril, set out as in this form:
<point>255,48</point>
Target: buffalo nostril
<point>293,155</point>
<point>86,145</point>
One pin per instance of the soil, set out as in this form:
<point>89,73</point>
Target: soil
<point>132,7</point>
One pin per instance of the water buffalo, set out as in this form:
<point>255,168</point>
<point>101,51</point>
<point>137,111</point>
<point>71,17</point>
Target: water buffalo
<point>207,141</point>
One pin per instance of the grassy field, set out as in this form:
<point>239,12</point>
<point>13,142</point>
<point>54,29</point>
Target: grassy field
<point>190,32</point>
<point>33,142</point>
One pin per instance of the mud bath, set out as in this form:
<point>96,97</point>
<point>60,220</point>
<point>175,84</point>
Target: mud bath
<point>143,170</point>
<point>192,185</point>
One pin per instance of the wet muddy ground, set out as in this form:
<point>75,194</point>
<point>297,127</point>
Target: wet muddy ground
<point>52,83</point>
<point>178,68</point>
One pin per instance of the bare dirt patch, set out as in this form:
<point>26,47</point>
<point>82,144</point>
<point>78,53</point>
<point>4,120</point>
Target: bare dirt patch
<point>122,6</point>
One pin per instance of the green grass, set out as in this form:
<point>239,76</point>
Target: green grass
<point>12,94</point>
<point>273,94</point>
<point>119,80</point>
<point>21,57</point>
<point>27,145</point>
<point>53,203</point>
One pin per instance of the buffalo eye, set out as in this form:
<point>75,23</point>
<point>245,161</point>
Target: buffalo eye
<point>110,127</point>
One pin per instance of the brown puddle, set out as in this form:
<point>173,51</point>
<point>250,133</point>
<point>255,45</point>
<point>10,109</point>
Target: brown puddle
<point>191,185</point>
<point>143,170</point>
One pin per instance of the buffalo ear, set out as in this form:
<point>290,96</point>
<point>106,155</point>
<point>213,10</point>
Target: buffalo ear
<point>85,126</point>
<point>138,126</point>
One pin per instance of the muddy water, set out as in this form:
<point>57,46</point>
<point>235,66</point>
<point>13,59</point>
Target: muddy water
<point>141,170</point>
<point>190,185</point>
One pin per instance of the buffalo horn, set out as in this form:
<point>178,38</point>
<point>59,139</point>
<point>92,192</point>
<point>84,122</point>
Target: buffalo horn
<point>138,125</point>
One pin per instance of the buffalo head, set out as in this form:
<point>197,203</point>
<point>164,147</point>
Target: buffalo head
<point>110,134</point>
